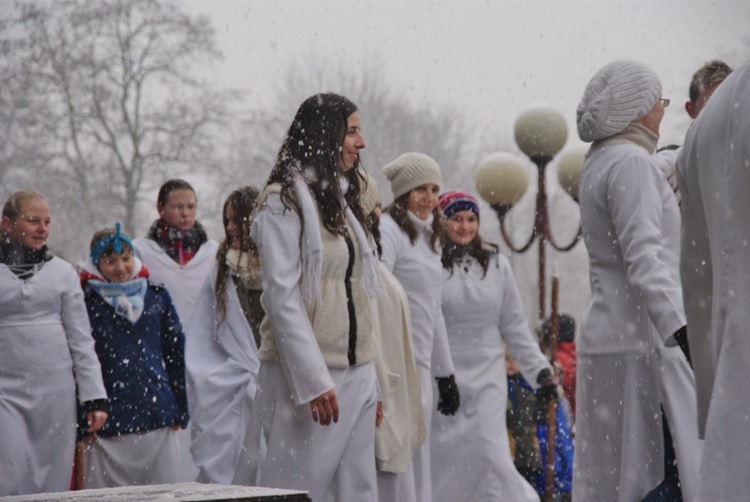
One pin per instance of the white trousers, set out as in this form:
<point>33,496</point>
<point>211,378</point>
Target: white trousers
<point>333,463</point>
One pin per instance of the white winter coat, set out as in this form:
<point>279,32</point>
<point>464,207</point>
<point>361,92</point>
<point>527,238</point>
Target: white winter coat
<point>314,336</point>
<point>222,373</point>
<point>300,453</point>
<point>714,177</point>
<point>470,450</point>
<point>628,362</point>
<point>45,341</point>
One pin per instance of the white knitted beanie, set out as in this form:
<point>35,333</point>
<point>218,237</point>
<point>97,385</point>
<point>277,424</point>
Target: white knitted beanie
<point>371,195</point>
<point>410,170</point>
<point>618,94</point>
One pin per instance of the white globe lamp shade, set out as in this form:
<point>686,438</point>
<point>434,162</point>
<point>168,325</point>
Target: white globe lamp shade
<point>569,169</point>
<point>501,179</point>
<point>541,131</point>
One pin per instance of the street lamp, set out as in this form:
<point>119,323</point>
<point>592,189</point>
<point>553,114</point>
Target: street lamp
<point>501,180</point>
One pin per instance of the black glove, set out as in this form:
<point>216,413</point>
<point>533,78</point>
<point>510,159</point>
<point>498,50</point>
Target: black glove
<point>682,341</point>
<point>547,387</point>
<point>88,406</point>
<point>95,405</point>
<point>449,399</point>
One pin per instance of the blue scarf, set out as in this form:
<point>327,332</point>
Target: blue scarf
<point>125,297</point>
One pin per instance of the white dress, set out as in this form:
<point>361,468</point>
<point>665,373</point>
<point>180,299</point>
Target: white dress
<point>713,173</point>
<point>45,339</point>
<point>183,283</point>
<point>470,451</point>
<point>222,373</point>
<point>419,271</point>
<point>628,361</point>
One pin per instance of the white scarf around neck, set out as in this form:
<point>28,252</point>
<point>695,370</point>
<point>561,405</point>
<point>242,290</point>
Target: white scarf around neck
<point>246,266</point>
<point>420,224</point>
<point>312,243</point>
<point>127,298</point>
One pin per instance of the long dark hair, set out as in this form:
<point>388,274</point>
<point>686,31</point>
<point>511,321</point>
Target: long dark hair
<point>312,146</point>
<point>477,249</point>
<point>374,226</point>
<point>399,208</point>
<point>242,202</point>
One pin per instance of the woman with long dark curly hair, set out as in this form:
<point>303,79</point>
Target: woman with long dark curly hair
<point>222,346</point>
<point>316,402</point>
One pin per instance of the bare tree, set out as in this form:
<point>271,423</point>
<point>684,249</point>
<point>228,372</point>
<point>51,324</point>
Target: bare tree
<point>101,103</point>
<point>392,123</point>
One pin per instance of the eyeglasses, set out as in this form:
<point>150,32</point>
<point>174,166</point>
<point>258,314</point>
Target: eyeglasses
<point>664,102</point>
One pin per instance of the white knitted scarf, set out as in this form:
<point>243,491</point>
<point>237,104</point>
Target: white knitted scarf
<point>312,244</point>
<point>246,266</point>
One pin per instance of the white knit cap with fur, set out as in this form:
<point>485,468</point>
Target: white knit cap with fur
<point>410,170</point>
<point>618,94</point>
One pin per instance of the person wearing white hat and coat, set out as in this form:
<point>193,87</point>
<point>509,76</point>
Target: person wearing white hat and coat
<point>713,174</point>
<point>633,371</point>
<point>411,232</point>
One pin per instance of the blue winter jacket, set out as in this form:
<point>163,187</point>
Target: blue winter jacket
<point>143,364</point>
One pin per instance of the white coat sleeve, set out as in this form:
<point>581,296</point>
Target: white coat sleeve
<point>442,361</point>
<point>276,232</point>
<point>514,328</point>
<point>635,205</point>
<point>696,272</point>
<point>695,259</point>
<point>75,318</point>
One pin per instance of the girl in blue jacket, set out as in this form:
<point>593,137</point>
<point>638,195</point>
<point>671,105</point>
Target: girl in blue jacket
<point>140,344</point>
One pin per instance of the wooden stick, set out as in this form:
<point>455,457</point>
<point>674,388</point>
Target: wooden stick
<point>549,478</point>
<point>79,469</point>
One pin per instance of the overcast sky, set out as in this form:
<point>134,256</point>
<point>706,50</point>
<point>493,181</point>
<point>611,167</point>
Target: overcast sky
<point>493,57</point>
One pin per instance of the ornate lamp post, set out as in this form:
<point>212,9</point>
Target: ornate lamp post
<point>501,180</point>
